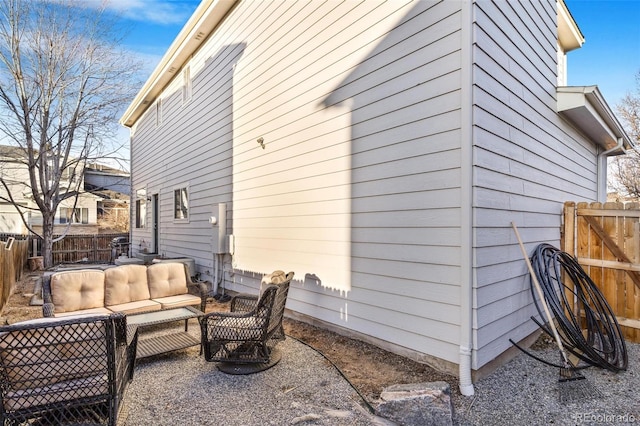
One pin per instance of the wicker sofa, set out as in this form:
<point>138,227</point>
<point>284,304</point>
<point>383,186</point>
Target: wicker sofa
<point>129,289</point>
<point>72,370</point>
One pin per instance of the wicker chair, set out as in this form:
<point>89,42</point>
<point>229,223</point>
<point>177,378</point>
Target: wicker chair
<point>59,371</point>
<point>244,340</point>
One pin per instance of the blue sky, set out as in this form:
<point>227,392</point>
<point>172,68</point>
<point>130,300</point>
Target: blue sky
<point>153,25</point>
<point>610,56</point>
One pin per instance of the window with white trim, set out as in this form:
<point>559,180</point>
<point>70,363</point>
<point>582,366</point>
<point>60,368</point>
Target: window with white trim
<point>181,204</point>
<point>74,216</point>
<point>141,208</point>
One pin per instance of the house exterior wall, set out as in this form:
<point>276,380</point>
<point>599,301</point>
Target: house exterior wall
<point>85,201</point>
<point>16,175</point>
<point>357,188</point>
<point>104,180</point>
<point>527,162</point>
<point>10,221</point>
<point>381,151</point>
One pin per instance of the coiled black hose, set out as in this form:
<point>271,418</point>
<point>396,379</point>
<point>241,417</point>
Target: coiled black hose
<point>577,304</point>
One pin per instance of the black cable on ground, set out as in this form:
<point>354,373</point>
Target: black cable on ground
<point>366,403</point>
<point>585,321</point>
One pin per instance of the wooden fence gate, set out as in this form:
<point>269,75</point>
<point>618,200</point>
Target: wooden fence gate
<point>605,238</point>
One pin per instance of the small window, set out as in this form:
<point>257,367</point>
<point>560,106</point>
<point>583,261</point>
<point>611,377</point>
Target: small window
<point>181,204</point>
<point>186,85</point>
<point>141,213</point>
<point>77,215</point>
<point>141,208</point>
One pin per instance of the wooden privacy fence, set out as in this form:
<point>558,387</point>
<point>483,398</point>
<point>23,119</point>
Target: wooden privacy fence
<point>76,248</point>
<point>12,264</point>
<point>605,238</point>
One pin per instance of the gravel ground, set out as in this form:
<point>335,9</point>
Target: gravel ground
<point>525,391</point>
<point>181,388</point>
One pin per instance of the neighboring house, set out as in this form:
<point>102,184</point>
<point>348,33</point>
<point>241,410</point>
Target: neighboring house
<point>113,186</point>
<point>380,151</point>
<point>83,217</point>
<point>99,177</point>
<point>13,173</point>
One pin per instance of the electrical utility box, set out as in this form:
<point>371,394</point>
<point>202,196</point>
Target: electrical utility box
<point>218,222</point>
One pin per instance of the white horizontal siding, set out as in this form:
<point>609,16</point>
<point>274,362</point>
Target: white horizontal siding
<point>527,162</point>
<point>358,187</point>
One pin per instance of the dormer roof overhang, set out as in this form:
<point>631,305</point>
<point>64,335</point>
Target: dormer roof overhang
<point>587,110</point>
<point>569,35</point>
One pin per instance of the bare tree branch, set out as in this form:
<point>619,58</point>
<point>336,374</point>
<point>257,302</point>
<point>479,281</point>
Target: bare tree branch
<point>625,170</point>
<point>63,80</point>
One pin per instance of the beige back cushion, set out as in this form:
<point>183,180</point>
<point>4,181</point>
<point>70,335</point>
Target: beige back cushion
<point>124,284</point>
<point>45,355</point>
<point>276,277</point>
<point>77,290</point>
<point>166,279</point>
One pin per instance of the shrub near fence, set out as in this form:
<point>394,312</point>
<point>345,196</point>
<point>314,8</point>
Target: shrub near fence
<point>12,263</point>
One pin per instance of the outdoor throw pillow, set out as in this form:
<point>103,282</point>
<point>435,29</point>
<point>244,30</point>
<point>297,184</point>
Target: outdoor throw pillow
<point>276,277</point>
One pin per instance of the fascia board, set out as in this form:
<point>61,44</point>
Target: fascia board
<point>569,35</point>
<point>202,23</point>
<point>585,107</point>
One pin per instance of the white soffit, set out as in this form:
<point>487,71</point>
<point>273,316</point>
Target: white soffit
<point>585,107</point>
<point>569,35</point>
<point>203,21</point>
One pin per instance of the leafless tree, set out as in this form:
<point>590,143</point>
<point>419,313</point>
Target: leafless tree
<point>625,170</point>
<point>116,219</point>
<point>64,80</point>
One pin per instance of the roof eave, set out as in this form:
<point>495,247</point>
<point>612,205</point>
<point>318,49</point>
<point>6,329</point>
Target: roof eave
<point>203,21</point>
<point>569,35</point>
<point>586,108</point>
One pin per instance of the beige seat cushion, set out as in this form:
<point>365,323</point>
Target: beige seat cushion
<point>166,279</point>
<point>178,301</point>
<point>86,316</point>
<point>233,329</point>
<point>92,311</point>
<point>137,307</point>
<point>124,284</point>
<point>56,392</point>
<point>77,290</point>
<point>43,356</point>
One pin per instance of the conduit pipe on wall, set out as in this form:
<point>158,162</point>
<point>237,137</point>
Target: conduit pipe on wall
<point>214,284</point>
<point>218,273</point>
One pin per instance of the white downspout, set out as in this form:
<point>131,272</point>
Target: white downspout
<point>466,200</point>
<point>601,167</point>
